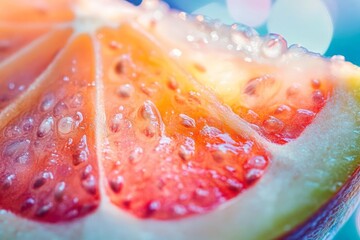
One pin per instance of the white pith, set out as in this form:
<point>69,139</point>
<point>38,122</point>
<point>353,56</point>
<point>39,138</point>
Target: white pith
<point>255,213</point>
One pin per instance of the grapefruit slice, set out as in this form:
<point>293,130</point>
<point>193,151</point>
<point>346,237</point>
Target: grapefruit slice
<point>126,127</point>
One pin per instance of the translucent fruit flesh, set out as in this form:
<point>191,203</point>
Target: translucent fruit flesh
<point>49,167</point>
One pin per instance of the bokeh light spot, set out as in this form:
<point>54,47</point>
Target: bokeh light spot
<point>250,12</point>
<point>308,23</point>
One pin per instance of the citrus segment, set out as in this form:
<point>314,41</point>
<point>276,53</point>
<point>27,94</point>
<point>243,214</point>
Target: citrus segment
<point>49,167</point>
<point>18,72</point>
<point>167,152</point>
<point>278,90</point>
<point>279,103</point>
<point>37,11</point>
<point>14,38</point>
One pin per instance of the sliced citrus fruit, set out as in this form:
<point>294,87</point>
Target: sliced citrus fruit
<point>49,168</point>
<point>116,124</point>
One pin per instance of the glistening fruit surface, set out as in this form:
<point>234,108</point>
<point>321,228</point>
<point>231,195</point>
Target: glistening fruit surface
<point>122,112</point>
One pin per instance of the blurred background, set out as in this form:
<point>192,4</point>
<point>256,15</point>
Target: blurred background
<point>329,27</point>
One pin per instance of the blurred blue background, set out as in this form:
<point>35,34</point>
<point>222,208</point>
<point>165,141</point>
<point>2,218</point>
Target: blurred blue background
<point>329,27</point>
